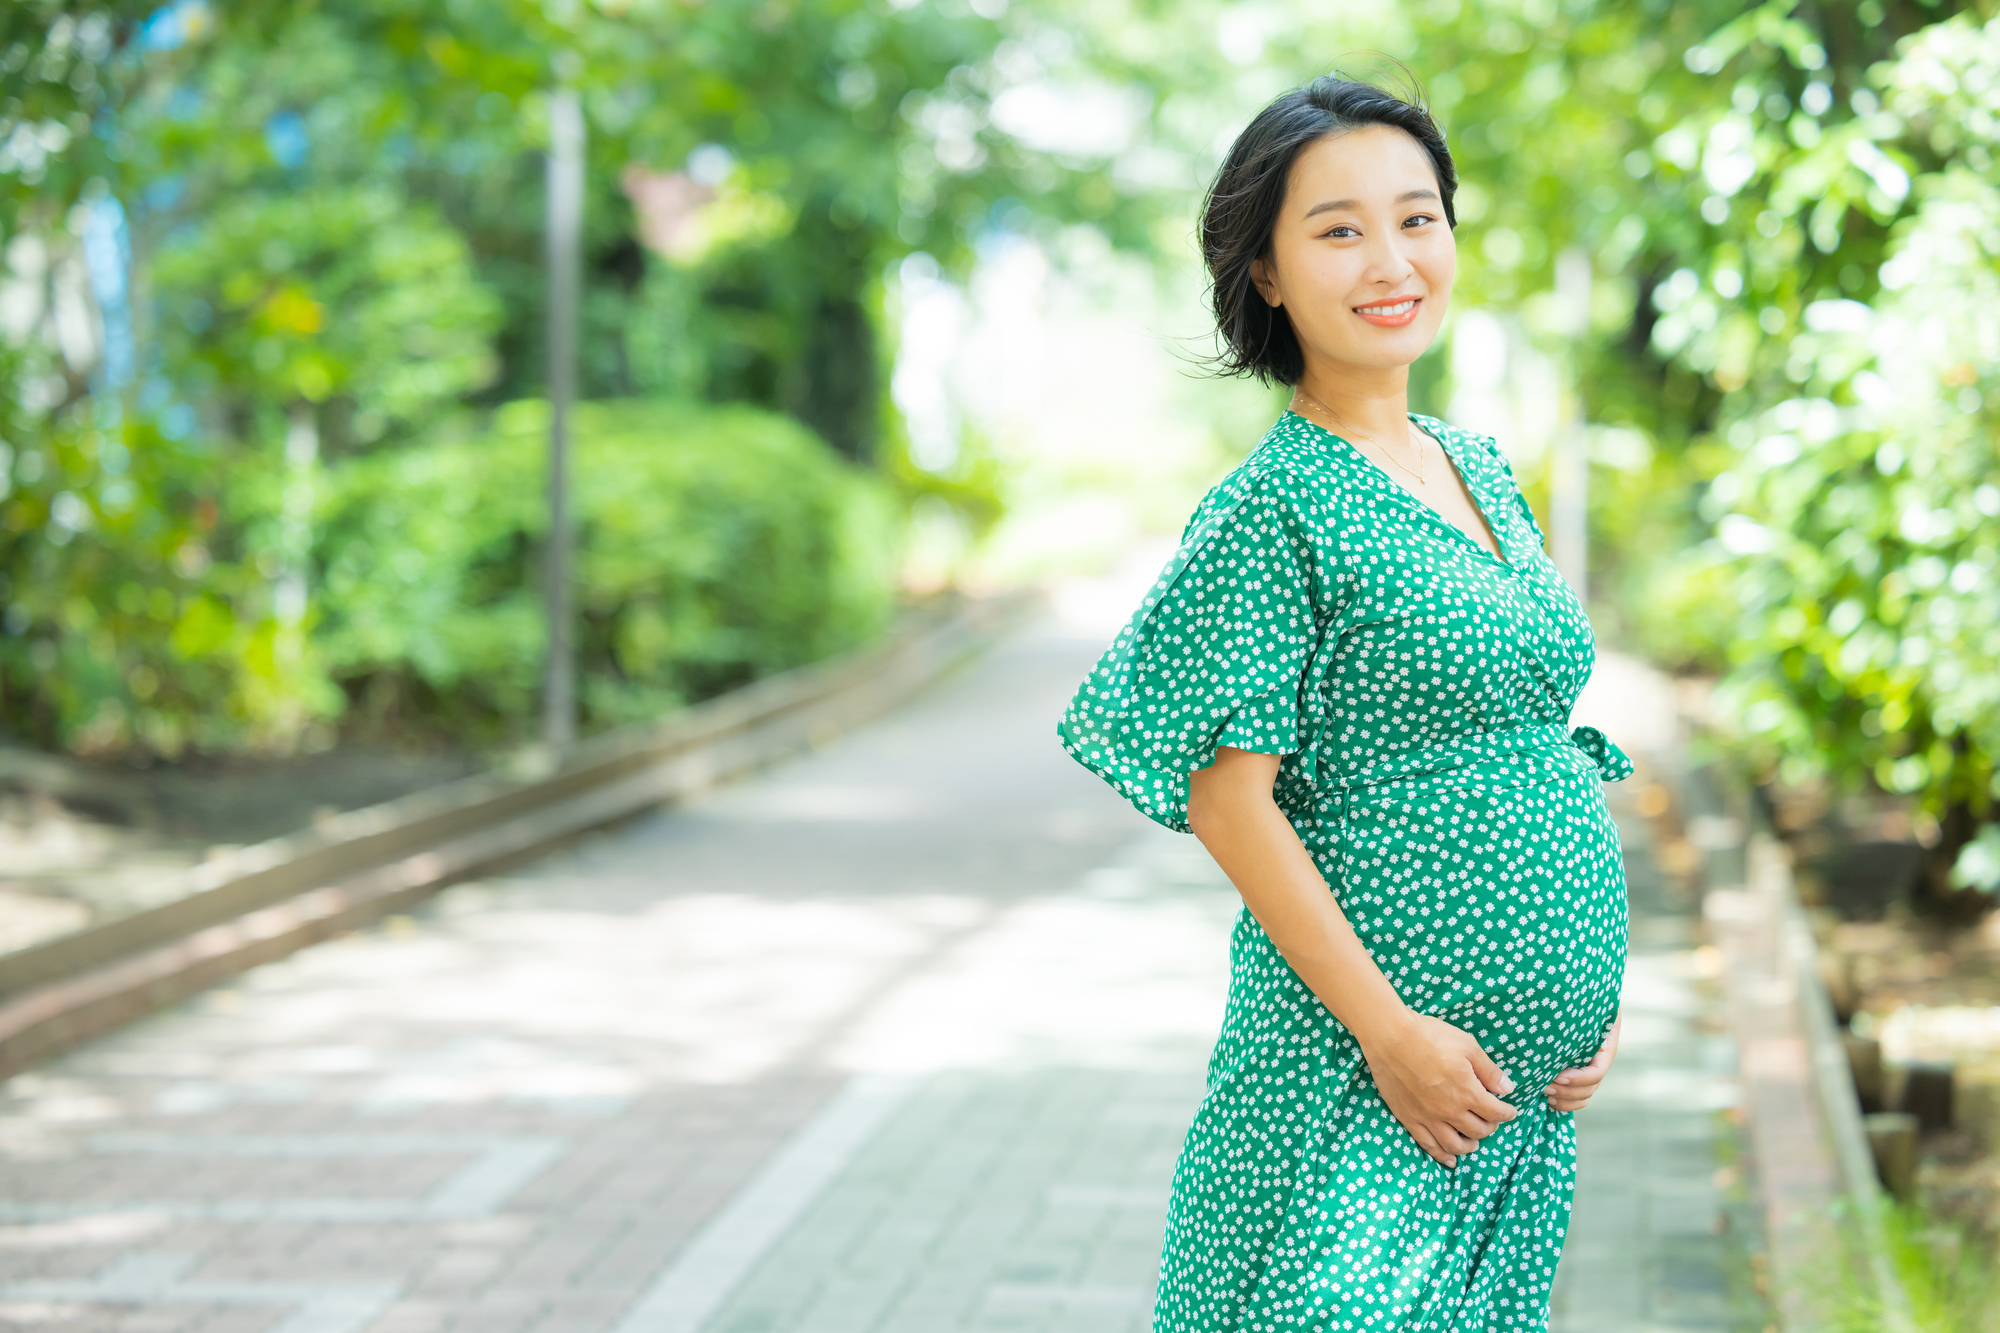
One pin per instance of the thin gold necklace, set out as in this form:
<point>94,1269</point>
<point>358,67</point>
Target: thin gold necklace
<point>1327,412</point>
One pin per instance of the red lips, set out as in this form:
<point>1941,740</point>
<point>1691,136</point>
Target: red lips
<point>1404,308</point>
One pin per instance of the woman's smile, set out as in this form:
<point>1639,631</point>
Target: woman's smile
<point>1393,313</point>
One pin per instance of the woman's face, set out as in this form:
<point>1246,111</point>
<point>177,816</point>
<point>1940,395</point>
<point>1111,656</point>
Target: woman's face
<point>1361,257</point>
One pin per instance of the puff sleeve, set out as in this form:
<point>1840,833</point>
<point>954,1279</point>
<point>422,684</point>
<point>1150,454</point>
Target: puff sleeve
<point>1217,654</point>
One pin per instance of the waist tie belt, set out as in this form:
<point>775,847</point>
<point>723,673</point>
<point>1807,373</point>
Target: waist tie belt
<point>1611,762</point>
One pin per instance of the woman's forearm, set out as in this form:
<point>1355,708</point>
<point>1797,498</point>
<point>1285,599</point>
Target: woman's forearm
<point>1231,811</point>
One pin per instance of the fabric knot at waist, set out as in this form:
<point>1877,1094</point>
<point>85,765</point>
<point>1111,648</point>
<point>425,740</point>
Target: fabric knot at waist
<point>1613,765</point>
<point>1611,762</point>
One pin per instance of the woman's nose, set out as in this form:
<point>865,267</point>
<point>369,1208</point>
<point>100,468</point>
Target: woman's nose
<point>1388,262</point>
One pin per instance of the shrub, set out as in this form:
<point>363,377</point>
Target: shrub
<point>714,545</point>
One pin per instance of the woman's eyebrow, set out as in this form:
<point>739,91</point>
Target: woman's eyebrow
<point>1336,205</point>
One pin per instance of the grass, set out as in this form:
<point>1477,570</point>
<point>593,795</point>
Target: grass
<point>1946,1271</point>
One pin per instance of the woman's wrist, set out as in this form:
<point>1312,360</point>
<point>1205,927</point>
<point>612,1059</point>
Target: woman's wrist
<point>1383,1028</point>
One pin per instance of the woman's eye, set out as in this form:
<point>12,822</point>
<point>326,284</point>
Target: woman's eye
<point>1336,231</point>
<point>1419,219</point>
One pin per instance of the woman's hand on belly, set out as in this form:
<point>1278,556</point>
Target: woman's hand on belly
<point>1572,1088</point>
<point>1439,1085</point>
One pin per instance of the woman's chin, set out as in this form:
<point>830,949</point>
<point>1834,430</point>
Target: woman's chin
<point>1385,348</point>
<point>1383,355</point>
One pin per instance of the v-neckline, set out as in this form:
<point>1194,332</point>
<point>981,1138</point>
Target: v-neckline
<point>1402,492</point>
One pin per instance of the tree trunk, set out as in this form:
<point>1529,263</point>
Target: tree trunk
<point>839,381</point>
<point>1958,827</point>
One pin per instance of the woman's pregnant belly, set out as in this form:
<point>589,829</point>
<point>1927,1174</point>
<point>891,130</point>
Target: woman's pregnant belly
<point>1493,896</point>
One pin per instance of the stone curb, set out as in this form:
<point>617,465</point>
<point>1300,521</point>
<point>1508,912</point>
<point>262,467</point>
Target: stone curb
<point>271,899</point>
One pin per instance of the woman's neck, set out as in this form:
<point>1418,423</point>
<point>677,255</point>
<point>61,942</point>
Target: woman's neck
<point>1374,403</point>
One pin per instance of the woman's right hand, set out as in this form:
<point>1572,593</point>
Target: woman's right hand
<point>1439,1085</point>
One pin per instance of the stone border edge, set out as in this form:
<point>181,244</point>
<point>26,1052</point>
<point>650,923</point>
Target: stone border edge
<point>269,900</point>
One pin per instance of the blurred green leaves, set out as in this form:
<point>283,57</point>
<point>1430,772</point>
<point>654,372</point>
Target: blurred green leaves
<point>349,293</point>
<point>1788,209</point>
<point>1861,515</point>
<point>334,269</point>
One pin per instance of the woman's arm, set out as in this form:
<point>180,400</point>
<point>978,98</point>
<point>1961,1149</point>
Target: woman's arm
<point>1435,1078</point>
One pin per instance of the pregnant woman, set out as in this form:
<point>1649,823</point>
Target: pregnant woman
<point>1353,684</point>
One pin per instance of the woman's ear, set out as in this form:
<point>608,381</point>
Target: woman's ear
<point>1266,285</point>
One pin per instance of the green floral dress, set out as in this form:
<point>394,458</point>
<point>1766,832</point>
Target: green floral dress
<point>1419,689</point>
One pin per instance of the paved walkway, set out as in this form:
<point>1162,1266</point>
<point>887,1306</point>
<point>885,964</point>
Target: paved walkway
<point>1662,1239</point>
<point>900,1037</point>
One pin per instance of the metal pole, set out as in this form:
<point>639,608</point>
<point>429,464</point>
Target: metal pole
<point>1569,479</point>
<point>565,235</point>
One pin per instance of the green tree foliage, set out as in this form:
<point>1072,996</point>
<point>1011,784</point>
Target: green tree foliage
<point>266,304</point>
<point>868,130</point>
<point>343,296</point>
<point>1860,518</point>
<point>335,218</point>
<point>334,222</point>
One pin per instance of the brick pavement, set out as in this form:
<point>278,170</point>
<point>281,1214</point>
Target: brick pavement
<point>901,1036</point>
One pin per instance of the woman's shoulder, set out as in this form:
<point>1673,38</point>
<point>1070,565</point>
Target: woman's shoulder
<point>1282,467</point>
<point>1274,479</point>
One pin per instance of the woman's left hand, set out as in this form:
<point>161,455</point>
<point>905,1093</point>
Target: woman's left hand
<point>1573,1087</point>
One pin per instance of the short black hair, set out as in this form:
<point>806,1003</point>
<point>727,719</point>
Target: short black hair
<point>1242,208</point>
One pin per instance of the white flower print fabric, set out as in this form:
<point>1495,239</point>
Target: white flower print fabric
<point>1419,689</point>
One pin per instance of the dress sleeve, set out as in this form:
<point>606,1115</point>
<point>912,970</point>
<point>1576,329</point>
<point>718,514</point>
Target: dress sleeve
<point>1216,655</point>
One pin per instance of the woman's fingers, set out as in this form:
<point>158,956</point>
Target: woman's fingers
<point>1451,1140</point>
<point>1439,1139</point>
<point>1583,1076</point>
<point>1568,1094</point>
<point>1491,1076</point>
<point>1573,1087</point>
<point>1493,1085</point>
<point>1473,1125</point>
<point>1428,1142</point>
<point>1594,1072</point>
